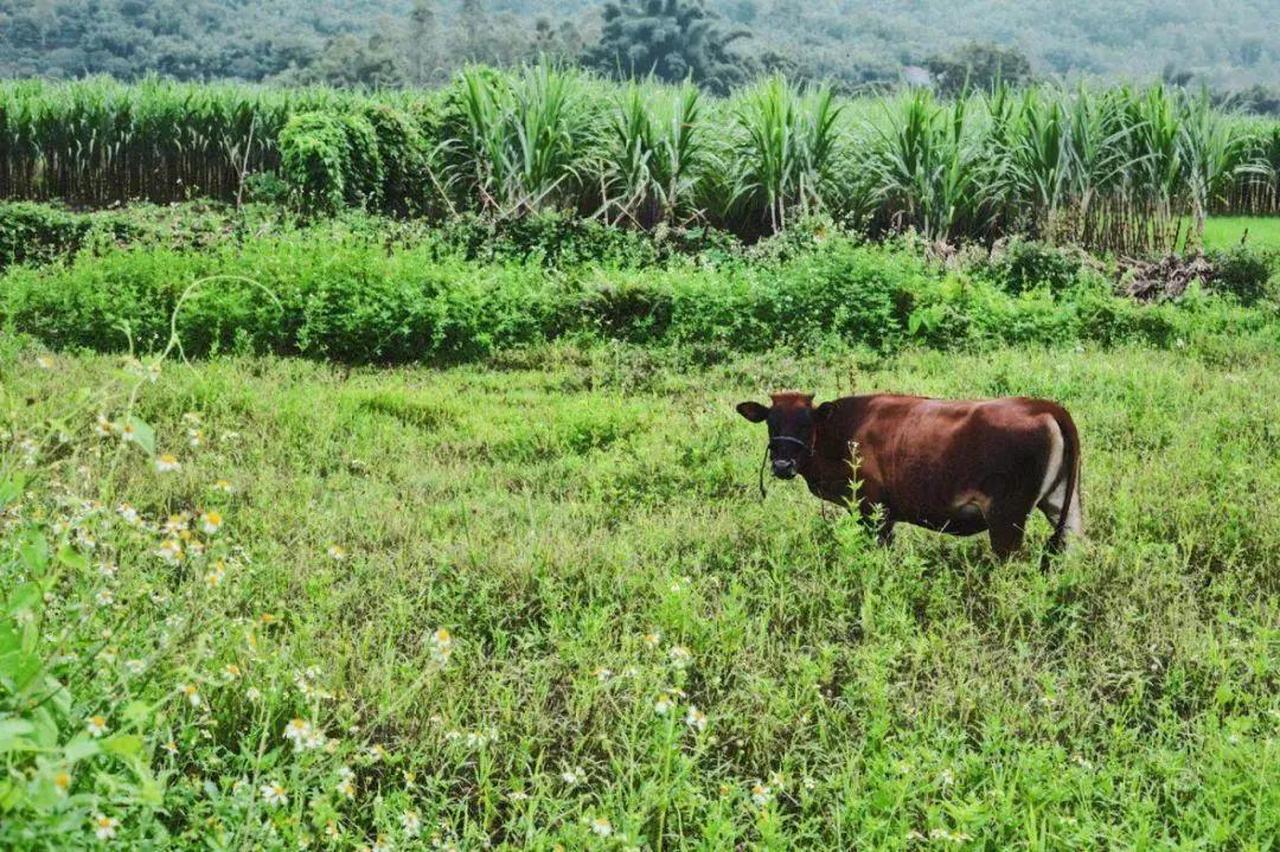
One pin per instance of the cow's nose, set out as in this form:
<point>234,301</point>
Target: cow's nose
<point>784,468</point>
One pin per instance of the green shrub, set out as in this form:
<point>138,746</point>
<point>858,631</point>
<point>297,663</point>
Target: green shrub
<point>348,294</point>
<point>364,177</point>
<point>1022,265</point>
<point>267,188</point>
<point>38,233</point>
<point>1244,272</point>
<point>404,155</point>
<point>315,159</point>
<point>42,233</point>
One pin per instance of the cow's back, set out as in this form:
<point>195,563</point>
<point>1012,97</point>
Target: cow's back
<point>922,457</point>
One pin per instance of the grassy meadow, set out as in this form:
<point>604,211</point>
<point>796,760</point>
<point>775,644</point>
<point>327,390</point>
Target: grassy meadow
<point>537,601</point>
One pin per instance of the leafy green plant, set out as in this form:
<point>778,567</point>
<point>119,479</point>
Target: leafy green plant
<point>315,160</point>
<point>785,151</point>
<point>351,295</point>
<point>1246,273</point>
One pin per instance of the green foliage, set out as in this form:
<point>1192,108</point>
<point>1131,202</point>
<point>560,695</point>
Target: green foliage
<point>1246,273</point>
<point>979,67</point>
<point>1023,265</point>
<point>96,141</point>
<point>315,159</point>
<point>403,156</point>
<point>927,169</point>
<point>654,155</point>
<point>518,144</point>
<point>785,151</point>
<point>671,40</point>
<point>364,173</point>
<point>1117,170</point>
<point>41,233</point>
<point>353,292</point>
<point>382,43</point>
<point>37,233</point>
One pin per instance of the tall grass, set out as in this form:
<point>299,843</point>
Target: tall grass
<point>783,155</point>
<point>519,143</point>
<point>1116,169</point>
<point>653,155</point>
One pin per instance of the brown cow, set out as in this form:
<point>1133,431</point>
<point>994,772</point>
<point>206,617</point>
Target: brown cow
<point>955,467</point>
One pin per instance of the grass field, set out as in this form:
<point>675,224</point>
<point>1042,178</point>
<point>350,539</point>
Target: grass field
<point>1257,231</point>
<point>640,652</point>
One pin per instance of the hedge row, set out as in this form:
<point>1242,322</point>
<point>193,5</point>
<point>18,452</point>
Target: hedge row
<point>34,233</point>
<point>350,299</point>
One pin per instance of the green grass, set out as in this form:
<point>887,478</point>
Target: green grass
<point>1227,231</point>
<point>552,510</point>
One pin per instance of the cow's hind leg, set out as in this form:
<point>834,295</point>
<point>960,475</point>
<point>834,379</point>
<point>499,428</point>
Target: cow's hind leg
<point>1007,520</point>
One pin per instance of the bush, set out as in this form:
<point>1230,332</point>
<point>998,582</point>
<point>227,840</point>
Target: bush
<point>551,238</point>
<point>37,233</point>
<point>1021,265</point>
<point>41,233</point>
<point>314,160</point>
<point>1244,272</point>
<point>403,152</point>
<point>349,295</point>
<point>363,180</point>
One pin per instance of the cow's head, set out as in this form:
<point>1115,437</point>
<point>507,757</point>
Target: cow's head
<point>793,422</point>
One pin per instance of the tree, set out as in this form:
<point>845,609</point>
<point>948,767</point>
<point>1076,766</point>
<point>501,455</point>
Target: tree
<point>670,39</point>
<point>980,67</point>
<point>561,43</point>
<point>349,61</point>
<point>473,19</point>
<point>422,35</point>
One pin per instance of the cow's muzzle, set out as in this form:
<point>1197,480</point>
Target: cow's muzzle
<point>784,468</point>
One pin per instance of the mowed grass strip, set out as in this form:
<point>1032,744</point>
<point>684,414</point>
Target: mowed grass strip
<point>586,526</point>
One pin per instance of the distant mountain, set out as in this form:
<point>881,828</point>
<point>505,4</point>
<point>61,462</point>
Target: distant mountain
<point>1226,44</point>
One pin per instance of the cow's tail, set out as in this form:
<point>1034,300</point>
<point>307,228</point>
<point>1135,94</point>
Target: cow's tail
<point>1071,456</point>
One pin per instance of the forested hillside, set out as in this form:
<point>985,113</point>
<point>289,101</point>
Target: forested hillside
<point>1229,46</point>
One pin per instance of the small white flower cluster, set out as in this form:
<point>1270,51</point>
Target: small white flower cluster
<point>305,681</point>
<point>346,786</point>
<point>761,794</point>
<point>274,794</point>
<point>940,834</point>
<point>191,692</point>
<point>441,643</point>
<point>667,700</point>
<point>304,735</point>
<point>696,719</point>
<point>105,827</point>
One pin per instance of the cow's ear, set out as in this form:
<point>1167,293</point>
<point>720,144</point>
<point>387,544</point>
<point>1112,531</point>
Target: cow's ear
<point>823,412</point>
<point>753,411</point>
